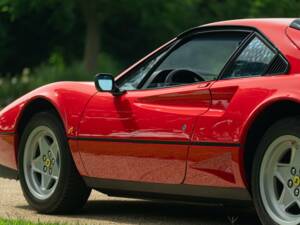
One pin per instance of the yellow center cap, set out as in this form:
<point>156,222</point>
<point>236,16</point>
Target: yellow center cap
<point>296,181</point>
<point>48,164</point>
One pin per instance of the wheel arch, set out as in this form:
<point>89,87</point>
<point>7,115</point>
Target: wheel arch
<point>256,126</point>
<point>35,105</point>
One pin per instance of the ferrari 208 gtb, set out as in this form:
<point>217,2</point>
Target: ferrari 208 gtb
<point>212,115</point>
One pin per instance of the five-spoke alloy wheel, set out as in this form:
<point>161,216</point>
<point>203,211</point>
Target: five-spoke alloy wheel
<point>276,174</point>
<point>42,162</point>
<point>48,175</point>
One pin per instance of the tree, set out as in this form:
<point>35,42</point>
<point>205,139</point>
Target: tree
<point>91,51</point>
<point>282,8</point>
<point>132,28</point>
<point>78,30</point>
<point>31,30</point>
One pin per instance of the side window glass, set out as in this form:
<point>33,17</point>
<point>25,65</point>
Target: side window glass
<point>135,77</point>
<point>201,58</point>
<point>253,61</point>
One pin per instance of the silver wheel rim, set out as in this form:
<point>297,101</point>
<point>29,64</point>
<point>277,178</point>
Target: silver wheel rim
<point>280,180</point>
<point>42,162</point>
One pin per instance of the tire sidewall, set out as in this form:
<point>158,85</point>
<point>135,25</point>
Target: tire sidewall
<point>290,126</point>
<point>52,122</point>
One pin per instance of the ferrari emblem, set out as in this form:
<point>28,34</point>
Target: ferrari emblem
<point>48,163</point>
<point>71,130</point>
<point>296,181</point>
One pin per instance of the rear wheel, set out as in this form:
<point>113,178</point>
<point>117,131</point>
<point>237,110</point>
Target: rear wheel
<point>276,174</point>
<point>49,179</point>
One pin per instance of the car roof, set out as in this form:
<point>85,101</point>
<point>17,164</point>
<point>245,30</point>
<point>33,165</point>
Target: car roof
<point>262,24</point>
<point>273,28</point>
<point>258,23</point>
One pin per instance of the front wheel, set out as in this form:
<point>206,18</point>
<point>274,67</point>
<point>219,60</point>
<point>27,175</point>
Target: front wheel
<point>276,174</point>
<point>49,179</point>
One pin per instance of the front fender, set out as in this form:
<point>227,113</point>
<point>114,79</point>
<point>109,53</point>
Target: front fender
<point>68,98</point>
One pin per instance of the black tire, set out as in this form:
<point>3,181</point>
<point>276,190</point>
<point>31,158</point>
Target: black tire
<point>71,193</point>
<point>288,126</point>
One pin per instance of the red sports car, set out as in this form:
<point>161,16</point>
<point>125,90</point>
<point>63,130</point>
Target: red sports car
<point>213,115</point>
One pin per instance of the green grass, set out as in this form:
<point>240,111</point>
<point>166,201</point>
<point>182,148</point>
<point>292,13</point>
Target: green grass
<point>23,222</point>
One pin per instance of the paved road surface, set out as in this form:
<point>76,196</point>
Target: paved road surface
<point>106,211</point>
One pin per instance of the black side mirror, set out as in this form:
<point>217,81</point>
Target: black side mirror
<point>106,83</point>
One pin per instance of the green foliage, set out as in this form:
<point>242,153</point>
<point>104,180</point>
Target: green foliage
<point>23,222</point>
<point>217,10</point>
<point>43,41</point>
<point>268,8</point>
<point>147,25</point>
<point>54,70</point>
<point>31,30</point>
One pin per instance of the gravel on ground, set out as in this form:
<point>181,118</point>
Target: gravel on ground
<point>104,210</point>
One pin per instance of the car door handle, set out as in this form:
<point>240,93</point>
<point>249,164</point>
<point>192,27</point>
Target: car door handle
<point>203,85</point>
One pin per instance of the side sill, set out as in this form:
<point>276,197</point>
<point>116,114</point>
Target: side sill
<point>177,192</point>
<point>8,173</point>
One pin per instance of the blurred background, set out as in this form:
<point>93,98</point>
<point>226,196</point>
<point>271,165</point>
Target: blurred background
<point>43,41</point>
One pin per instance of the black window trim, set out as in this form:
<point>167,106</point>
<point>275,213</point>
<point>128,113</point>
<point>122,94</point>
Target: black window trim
<point>211,29</point>
<point>177,44</point>
<point>164,49</point>
<point>267,42</point>
<point>287,66</point>
<point>148,75</point>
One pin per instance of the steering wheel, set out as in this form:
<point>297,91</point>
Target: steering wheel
<point>183,76</point>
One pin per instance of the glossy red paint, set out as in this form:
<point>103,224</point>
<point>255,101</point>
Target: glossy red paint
<point>235,105</point>
<point>191,134</point>
<point>77,157</point>
<point>294,36</point>
<point>68,98</point>
<point>214,166</point>
<point>155,163</point>
<point>158,115</point>
<point>7,151</point>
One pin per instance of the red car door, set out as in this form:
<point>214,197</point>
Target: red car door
<point>142,135</point>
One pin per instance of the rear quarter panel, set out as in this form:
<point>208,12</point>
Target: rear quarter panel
<point>235,105</point>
